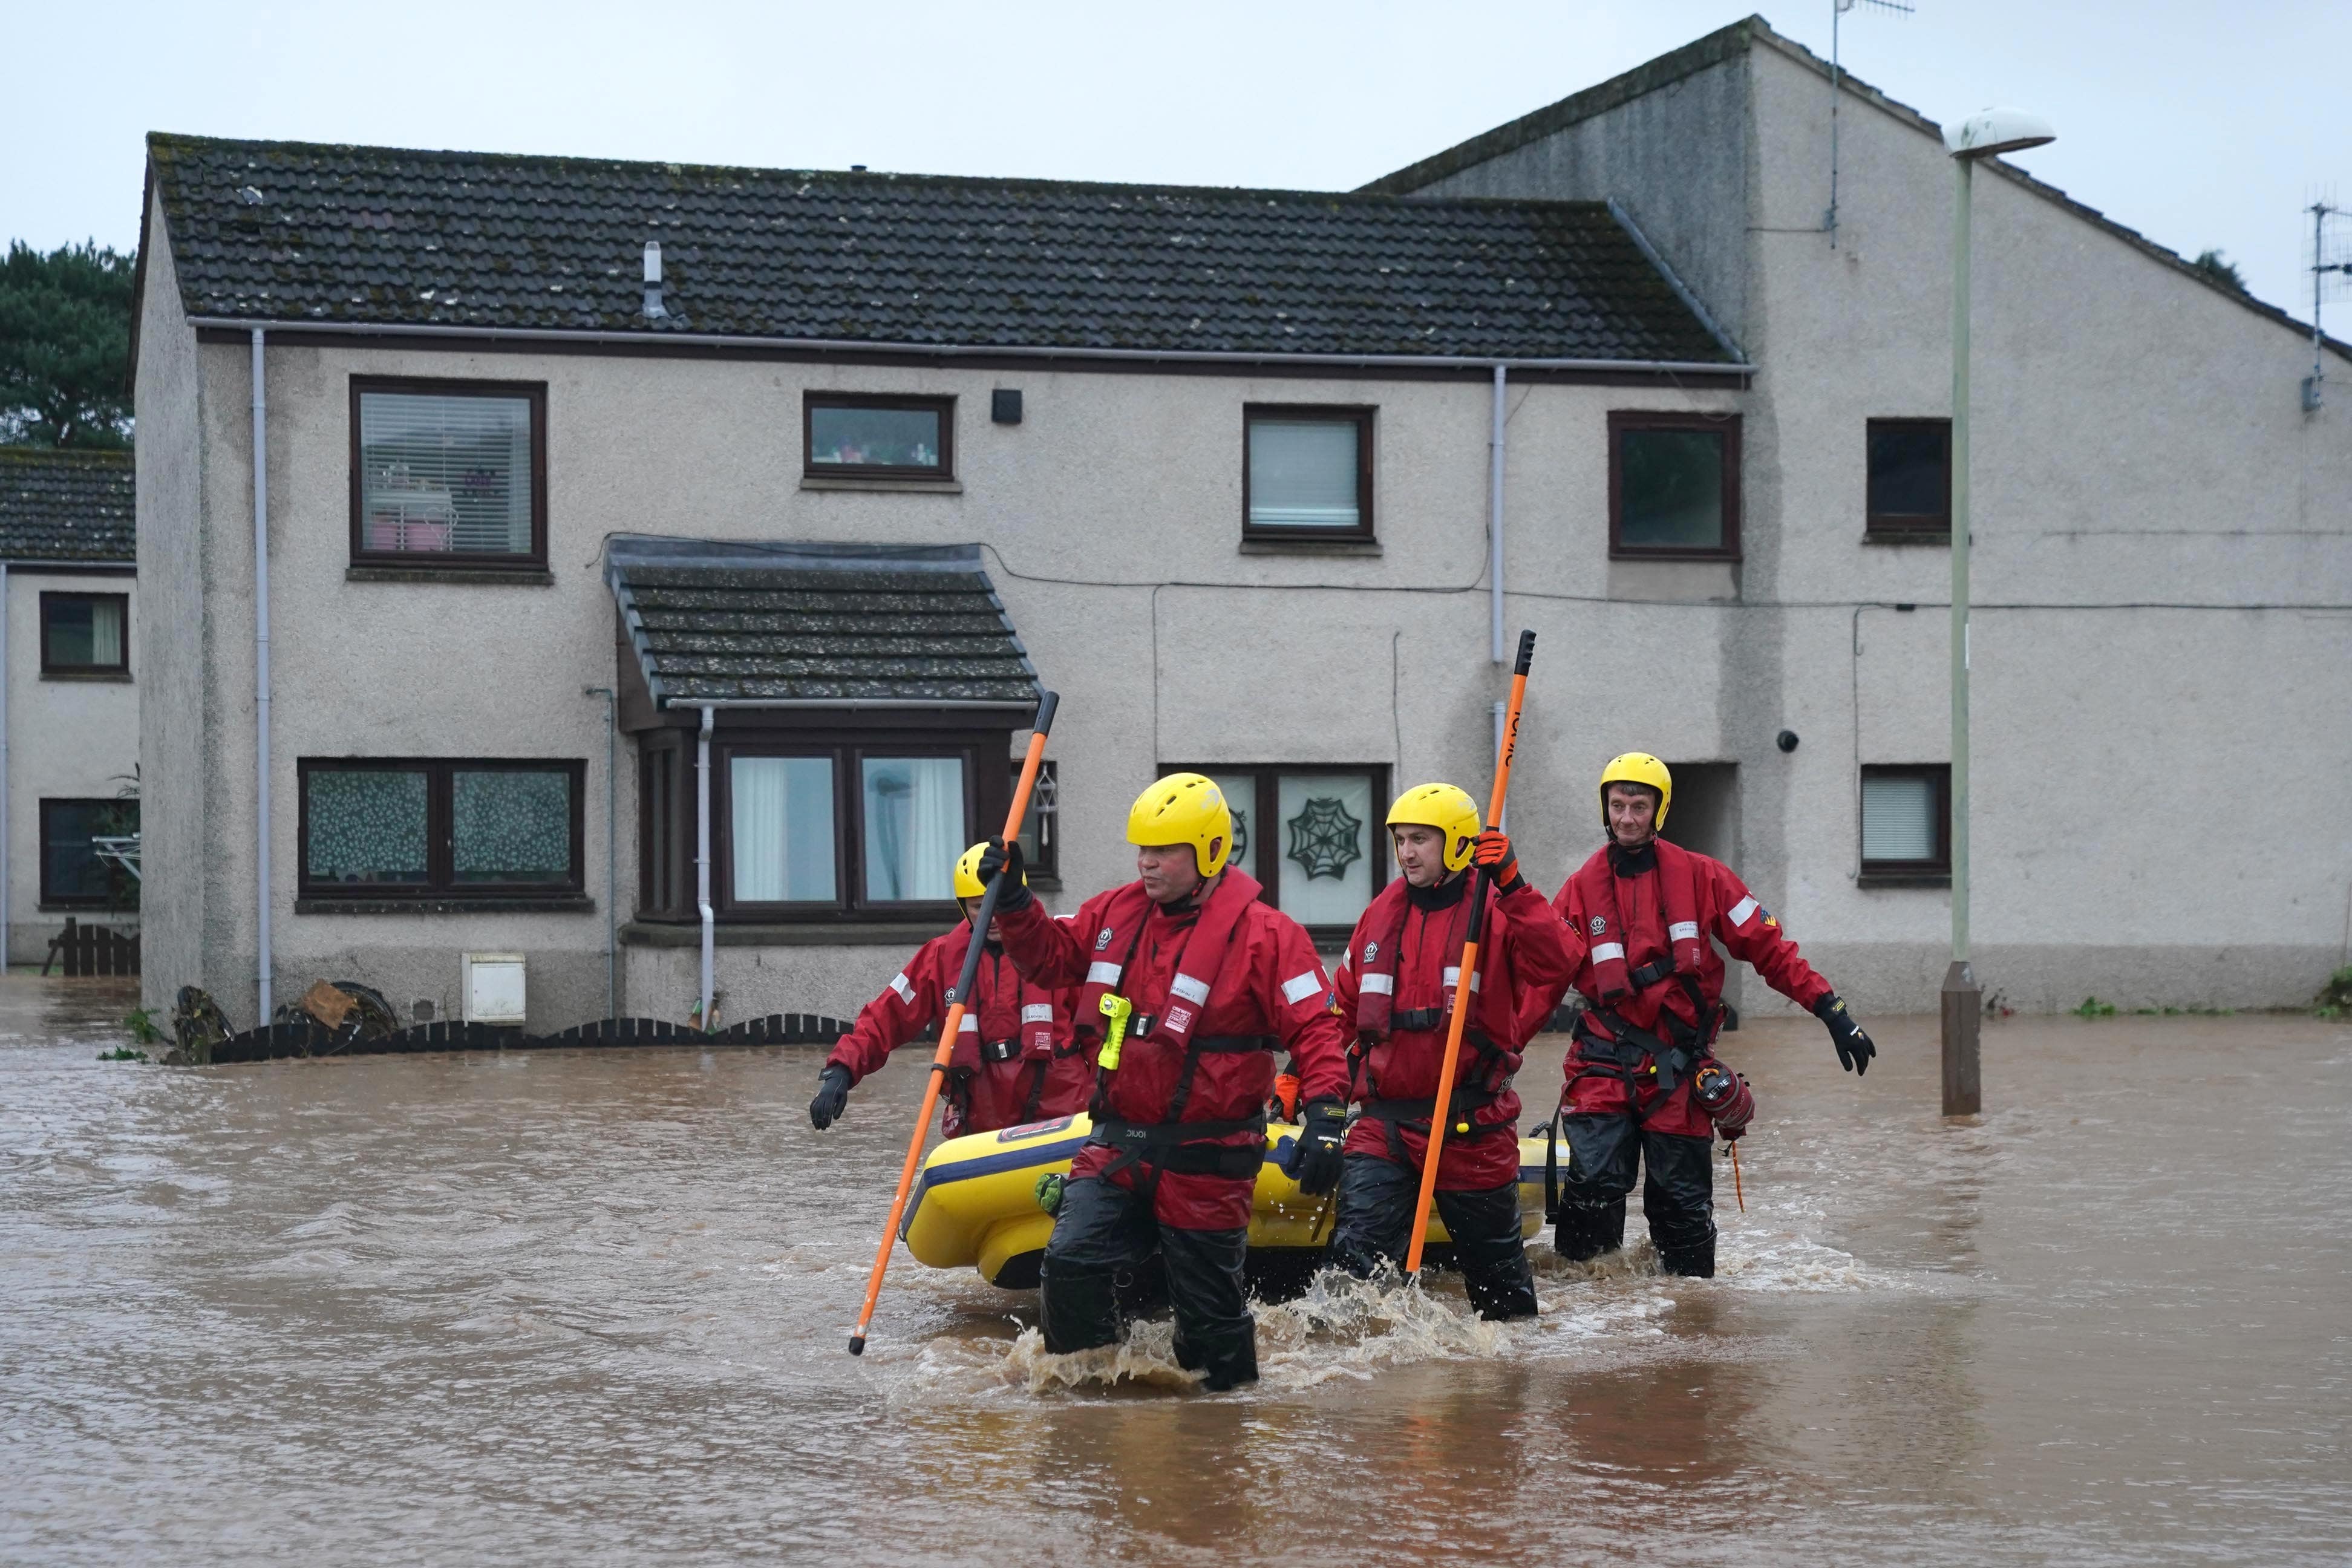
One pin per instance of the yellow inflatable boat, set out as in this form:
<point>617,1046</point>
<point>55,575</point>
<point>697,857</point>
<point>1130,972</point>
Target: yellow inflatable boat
<point>983,1201</point>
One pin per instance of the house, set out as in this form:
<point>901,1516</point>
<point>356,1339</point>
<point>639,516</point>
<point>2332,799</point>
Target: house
<point>68,704</point>
<point>644,537</point>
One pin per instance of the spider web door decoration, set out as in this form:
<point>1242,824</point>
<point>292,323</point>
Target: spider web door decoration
<point>1324,838</point>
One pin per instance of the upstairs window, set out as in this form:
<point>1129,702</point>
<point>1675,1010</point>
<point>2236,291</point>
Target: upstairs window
<point>85,635</point>
<point>851,436</point>
<point>1907,820</point>
<point>1674,486</point>
<point>1910,479</point>
<point>449,473</point>
<point>1306,472</point>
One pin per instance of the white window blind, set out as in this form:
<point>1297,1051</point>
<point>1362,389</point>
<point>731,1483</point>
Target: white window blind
<point>1898,817</point>
<point>1303,473</point>
<point>445,474</point>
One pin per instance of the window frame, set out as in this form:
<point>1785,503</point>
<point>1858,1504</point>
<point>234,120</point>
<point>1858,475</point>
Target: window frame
<point>1264,848</point>
<point>1878,525</point>
<point>1361,416</point>
<point>535,392</point>
<point>979,748</point>
<point>50,670</point>
<point>1937,773</point>
<point>1621,421</point>
<point>440,885</point>
<point>941,403</point>
<point>49,897</point>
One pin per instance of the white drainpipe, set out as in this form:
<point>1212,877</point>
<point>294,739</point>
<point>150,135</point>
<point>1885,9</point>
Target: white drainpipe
<point>1495,512</point>
<point>262,675</point>
<point>702,849</point>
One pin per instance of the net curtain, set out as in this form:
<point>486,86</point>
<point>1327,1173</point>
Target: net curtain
<point>914,827</point>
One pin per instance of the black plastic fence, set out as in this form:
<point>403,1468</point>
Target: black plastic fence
<point>304,1037</point>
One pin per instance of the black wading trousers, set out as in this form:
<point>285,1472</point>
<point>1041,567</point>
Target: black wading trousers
<point>1377,1200</point>
<point>1677,1191</point>
<point>1101,1235</point>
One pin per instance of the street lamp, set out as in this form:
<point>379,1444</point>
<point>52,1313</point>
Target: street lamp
<point>1984,134</point>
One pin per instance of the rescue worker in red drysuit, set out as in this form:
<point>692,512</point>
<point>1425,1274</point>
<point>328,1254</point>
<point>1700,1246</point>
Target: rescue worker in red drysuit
<point>1014,1060</point>
<point>1637,917</point>
<point>1396,987</point>
<point>1218,982</point>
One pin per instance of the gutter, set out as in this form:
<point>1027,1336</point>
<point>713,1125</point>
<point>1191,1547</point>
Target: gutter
<point>975,350</point>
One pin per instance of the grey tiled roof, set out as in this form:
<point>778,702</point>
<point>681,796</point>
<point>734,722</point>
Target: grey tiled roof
<point>66,506</point>
<point>828,624</point>
<point>294,231</point>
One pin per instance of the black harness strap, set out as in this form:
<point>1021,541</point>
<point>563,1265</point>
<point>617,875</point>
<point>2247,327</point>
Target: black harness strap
<point>1182,1147</point>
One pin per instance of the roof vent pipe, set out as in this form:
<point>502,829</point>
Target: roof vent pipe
<point>654,311</point>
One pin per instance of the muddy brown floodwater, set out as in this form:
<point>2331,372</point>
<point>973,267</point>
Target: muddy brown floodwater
<point>591,1307</point>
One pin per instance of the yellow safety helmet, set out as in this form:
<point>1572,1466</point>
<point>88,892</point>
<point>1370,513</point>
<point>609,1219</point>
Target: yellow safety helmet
<point>1449,810</point>
<point>1185,808</point>
<point>968,884</point>
<point>1637,768</point>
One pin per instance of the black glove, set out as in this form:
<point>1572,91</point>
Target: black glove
<point>831,1096</point>
<point>1494,856</point>
<point>1001,863</point>
<point>1314,1161</point>
<point>1853,1047</point>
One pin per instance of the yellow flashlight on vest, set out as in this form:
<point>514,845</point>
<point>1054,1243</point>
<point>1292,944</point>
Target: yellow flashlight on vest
<point>1118,1009</point>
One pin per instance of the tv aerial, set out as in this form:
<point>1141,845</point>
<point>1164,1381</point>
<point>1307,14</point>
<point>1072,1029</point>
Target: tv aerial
<point>2331,279</point>
<point>1838,8</point>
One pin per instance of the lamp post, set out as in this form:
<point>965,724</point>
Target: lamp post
<point>1984,134</point>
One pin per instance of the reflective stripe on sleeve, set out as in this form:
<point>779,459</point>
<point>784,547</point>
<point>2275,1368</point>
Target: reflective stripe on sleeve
<point>1743,911</point>
<point>1381,985</point>
<point>1036,1012</point>
<point>1453,977</point>
<point>1193,991</point>
<point>905,992</point>
<point>1683,931</point>
<point>1299,987</point>
<point>1608,952</point>
<point>970,1024</point>
<point>1102,972</point>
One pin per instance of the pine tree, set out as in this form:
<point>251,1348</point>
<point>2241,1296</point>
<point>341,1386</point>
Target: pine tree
<point>65,343</point>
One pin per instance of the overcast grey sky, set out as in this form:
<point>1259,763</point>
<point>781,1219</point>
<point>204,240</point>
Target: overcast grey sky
<point>2200,122</point>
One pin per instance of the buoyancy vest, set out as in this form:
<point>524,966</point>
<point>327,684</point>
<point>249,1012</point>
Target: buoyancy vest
<point>1376,965</point>
<point>1196,971</point>
<point>1606,938</point>
<point>979,1047</point>
<point>1161,1143</point>
<point>1486,1069</point>
<point>1677,1046</point>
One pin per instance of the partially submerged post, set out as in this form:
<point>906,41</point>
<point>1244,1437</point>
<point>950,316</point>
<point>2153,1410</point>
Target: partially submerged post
<point>1981,136</point>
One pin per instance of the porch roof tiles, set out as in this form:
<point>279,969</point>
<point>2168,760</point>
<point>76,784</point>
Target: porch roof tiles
<point>807,625</point>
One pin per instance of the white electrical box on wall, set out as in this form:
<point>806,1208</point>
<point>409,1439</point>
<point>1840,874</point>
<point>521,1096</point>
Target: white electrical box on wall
<point>492,987</point>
